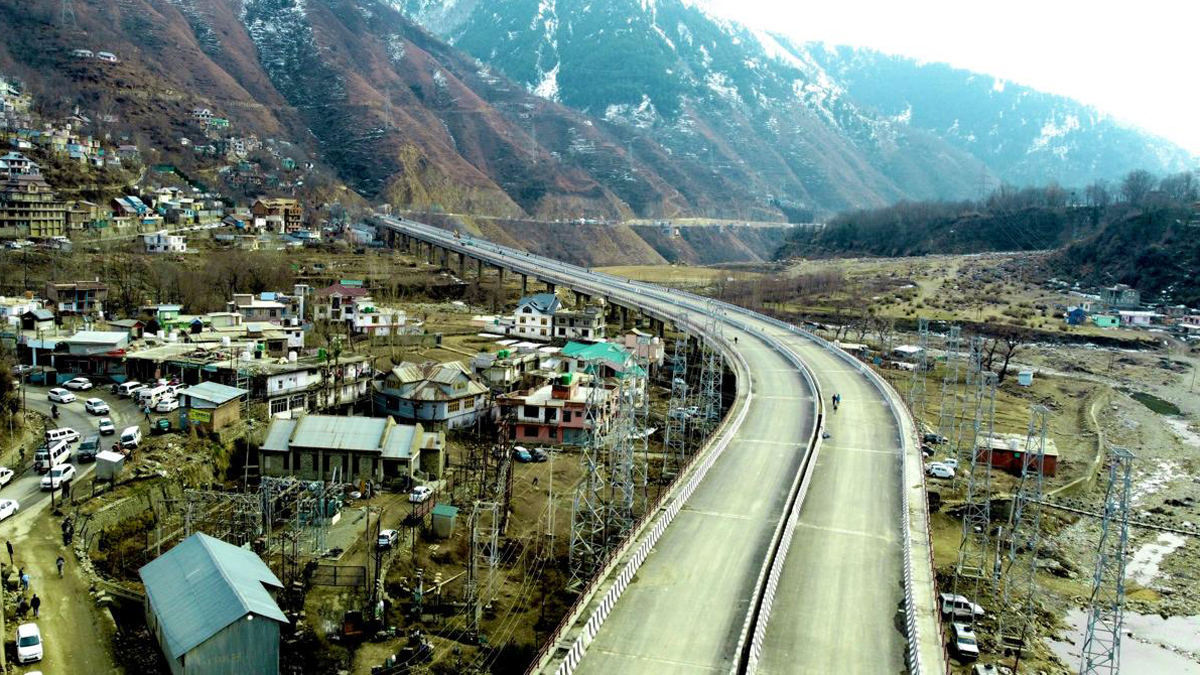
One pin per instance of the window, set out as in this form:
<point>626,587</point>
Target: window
<point>543,331</point>
<point>453,406</point>
<point>279,405</point>
<point>530,411</point>
<point>566,416</point>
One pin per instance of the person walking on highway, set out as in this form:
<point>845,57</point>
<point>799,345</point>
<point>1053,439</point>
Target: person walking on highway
<point>35,603</point>
<point>60,562</point>
<point>24,580</point>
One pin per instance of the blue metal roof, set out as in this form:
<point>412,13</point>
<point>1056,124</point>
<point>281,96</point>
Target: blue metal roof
<point>203,585</point>
<point>546,303</point>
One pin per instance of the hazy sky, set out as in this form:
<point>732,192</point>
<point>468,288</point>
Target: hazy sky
<point>1137,60</point>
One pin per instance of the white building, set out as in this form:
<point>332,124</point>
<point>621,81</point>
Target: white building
<point>534,317</point>
<point>370,319</point>
<point>11,309</point>
<point>1136,318</point>
<point>161,242</point>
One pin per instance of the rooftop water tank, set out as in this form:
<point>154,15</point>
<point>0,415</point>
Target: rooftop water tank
<point>1025,378</point>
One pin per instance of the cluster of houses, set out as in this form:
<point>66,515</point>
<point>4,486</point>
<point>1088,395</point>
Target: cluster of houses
<point>543,317</point>
<point>1120,306</point>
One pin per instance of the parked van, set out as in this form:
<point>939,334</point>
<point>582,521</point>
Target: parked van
<point>50,455</point>
<point>149,396</point>
<point>66,434</point>
<point>89,448</point>
<point>131,437</point>
<point>128,388</point>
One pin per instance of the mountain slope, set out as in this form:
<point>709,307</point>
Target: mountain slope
<point>827,128</point>
<point>1025,136</point>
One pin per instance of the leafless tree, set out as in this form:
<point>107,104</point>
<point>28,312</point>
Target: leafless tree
<point>1137,186</point>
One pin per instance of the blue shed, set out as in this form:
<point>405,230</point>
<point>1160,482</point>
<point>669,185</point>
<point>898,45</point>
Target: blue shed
<point>212,608</point>
<point>1076,316</point>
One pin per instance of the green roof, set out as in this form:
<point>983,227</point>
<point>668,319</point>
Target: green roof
<point>203,585</point>
<point>445,510</point>
<point>601,351</point>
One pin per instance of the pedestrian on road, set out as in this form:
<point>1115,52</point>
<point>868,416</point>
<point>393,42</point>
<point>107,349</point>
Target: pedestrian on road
<point>60,562</point>
<point>22,607</point>
<point>535,481</point>
<point>35,603</point>
<point>24,580</point>
<point>10,551</point>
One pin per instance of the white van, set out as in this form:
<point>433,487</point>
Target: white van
<point>131,437</point>
<point>65,434</point>
<point>128,388</point>
<point>51,455</point>
<point>149,397</point>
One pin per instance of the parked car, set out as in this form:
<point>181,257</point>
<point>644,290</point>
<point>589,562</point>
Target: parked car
<point>128,389</point>
<point>88,449</point>
<point>161,426</point>
<point>939,470</point>
<point>388,538</point>
<point>936,439</point>
<point>540,455</point>
<point>29,643</point>
<point>78,384</point>
<point>6,475</point>
<point>958,606</point>
<point>420,493</point>
<point>57,476</point>
<point>8,507</point>
<point>166,405</point>
<point>951,462</point>
<point>96,406</point>
<point>522,454</point>
<point>131,437</point>
<point>963,642</point>
<point>60,395</point>
<point>62,434</point>
<point>106,427</point>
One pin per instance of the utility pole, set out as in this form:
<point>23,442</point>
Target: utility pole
<point>1102,642</point>
<point>916,389</point>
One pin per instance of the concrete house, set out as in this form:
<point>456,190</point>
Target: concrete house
<point>211,606</point>
<point>580,324</point>
<point>161,242</point>
<point>77,297</point>
<point>88,342</point>
<point>1105,321</point>
<point>534,317</point>
<point>337,302</point>
<point>556,413</point>
<point>315,447</point>
<point>1120,296</point>
<point>440,393</point>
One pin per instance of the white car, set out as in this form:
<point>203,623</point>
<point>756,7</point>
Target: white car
<point>6,475</point>
<point>939,470</point>
<point>167,405</point>
<point>960,607</point>
<point>96,406</point>
<point>8,507</point>
<point>29,643</point>
<point>387,538</point>
<point>963,641</point>
<point>420,493</point>
<point>57,476</point>
<point>78,384</point>
<point>106,427</point>
<point>951,462</point>
<point>59,395</point>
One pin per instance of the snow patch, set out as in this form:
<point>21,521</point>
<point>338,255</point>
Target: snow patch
<point>997,85</point>
<point>548,87</point>
<point>1183,431</point>
<point>1051,131</point>
<point>1163,474</point>
<point>720,84</point>
<point>1143,567</point>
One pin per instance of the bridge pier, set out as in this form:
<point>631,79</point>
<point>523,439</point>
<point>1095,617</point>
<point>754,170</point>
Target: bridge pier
<point>431,247</point>
<point>479,270</point>
<point>550,288</point>
<point>524,285</point>
<point>462,265</point>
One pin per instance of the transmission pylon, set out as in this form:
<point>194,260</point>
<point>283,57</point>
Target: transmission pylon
<point>588,509</point>
<point>67,15</point>
<point>948,409</point>
<point>1018,578</point>
<point>620,444</point>
<point>970,426</point>
<point>1102,642</point>
<point>485,554</point>
<point>675,433</point>
<point>916,390</point>
<point>711,372</point>
<point>975,569</point>
<point>640,428</point>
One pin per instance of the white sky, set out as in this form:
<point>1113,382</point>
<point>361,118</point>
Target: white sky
<point>1137,60</point>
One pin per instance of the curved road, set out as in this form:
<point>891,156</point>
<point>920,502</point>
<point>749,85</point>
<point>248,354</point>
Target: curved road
<point>835,611</point>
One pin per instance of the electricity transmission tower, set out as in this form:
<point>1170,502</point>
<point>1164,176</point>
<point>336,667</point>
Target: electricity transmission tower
<point>587,508</point>
<point>620,443</point>
<point>1018,578</point>
<point>916,390</point>
<point>1102,642</point>
<point>948,410</point>
<point>711,372</point>
<point>67,15</point>
<point>640,416</point>
<point>675,434</point>
<point>975,566</point>
<point>481,573</point>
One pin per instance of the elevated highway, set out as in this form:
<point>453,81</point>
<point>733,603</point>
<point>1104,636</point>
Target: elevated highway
<point>840,591</point>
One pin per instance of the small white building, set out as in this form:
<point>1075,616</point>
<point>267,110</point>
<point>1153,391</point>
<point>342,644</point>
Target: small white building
<point>12,308</point>
<point>1136,318</point>
<point>370,319</point>
<point>161,242</point>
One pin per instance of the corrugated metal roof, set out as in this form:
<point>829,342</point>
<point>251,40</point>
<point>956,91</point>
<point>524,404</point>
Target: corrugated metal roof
<point>398,444</point>
<point>213,392</point>
<point>445,510</point>
<point>97,337</point>
<point>203,585</point>
<point>546,303</point>
<point>339,433</point>
<point>279,435</point>
<point>435,381</point>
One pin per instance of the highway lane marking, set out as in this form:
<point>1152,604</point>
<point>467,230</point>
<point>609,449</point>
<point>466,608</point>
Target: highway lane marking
<point>853,533</point>
<point>756,441</point>
<point>785,398</point>
<point>735,516</point>
<point>659,659</point>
